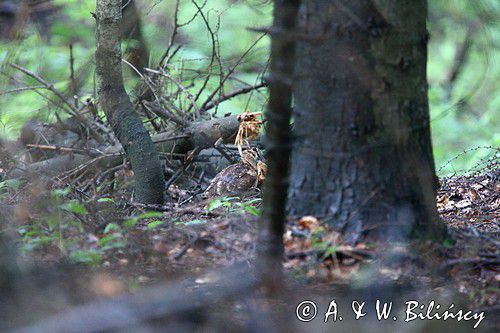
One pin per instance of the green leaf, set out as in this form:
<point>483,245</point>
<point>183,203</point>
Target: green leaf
<point>448,243</point>
<point>149,215</point>
<point>10,184</point>
<point>112,227</point>
<point>154,224</point>
<point>90,257</point>
<point>61,192</point>
<point>249,202</point>
<point>112,241</point>
<point>22,230</point>
<point>214,204</point>
<point>105,200</point>
<point>74,206</point>
<point>330,251</point>
<point>52,221</point>
<point>130,223</point>
<point>34,232</point>
<point>252,210</point>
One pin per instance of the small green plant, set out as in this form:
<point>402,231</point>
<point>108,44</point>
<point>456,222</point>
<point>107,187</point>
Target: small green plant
<point>249,208</point>
<point>132,221</point>
<point>7,185</point>
<point>88,257</point>
<point>234,205</point>
<point>216,203</point>
<point>154,224</point>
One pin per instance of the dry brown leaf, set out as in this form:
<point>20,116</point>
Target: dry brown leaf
<point>309,222</point>
<point>249,129</point>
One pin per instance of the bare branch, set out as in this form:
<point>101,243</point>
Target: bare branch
<point>235,93</point>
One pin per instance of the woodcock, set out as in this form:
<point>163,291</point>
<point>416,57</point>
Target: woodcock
<point>240,179</point>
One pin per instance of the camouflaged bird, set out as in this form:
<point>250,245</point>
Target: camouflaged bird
<point>240,179</point>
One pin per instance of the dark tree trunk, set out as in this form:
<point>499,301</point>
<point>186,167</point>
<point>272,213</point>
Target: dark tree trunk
<point>362,157</point>
<point>9,270</point>
<point>126,124</point>
<point>278,141</point>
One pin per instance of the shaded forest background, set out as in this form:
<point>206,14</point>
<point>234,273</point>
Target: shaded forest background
<point>462,70</point>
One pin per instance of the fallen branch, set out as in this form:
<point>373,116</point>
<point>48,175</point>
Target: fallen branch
<point>90,152</point>
<point>199,134</point>
<point>51,167</point>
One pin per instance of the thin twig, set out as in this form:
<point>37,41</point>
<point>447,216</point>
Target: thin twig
<point>73,109</point>
<point>231,71</point>
<point>16,90</point>
<point>72,75</point>
<point>235,93</point>
<point>213,55</point>
<point>179,85</point>
<point>89,152</point>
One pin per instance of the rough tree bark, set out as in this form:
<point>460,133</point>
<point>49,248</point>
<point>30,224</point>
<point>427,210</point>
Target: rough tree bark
<point>278,138</point>
<point>127,125</point>
<point>362,156</point>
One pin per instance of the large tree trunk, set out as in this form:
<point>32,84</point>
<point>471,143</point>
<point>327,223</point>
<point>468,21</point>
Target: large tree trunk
<point>362,158</point>
<point>127,125</point>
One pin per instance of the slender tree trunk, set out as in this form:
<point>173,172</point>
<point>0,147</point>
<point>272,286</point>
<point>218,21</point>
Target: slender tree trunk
<point>127,125</point>
<point>362,157</point>
<point>278,137</point>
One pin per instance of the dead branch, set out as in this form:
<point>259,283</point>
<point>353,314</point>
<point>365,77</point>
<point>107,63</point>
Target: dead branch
<point>214,50</point>
<point>179,85</point>
<point>51,167</point>
<point>164,113</point>
<point>235,93</point>
<point>89,152</point>
<point>199,134</point>
<point>231,71</point>
<point>73,109</point>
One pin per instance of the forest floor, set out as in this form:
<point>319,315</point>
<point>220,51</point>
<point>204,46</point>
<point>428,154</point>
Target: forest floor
<point>126,247</point>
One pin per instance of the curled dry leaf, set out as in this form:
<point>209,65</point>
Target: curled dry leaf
<point>309,222</point>
<point>249,128</point>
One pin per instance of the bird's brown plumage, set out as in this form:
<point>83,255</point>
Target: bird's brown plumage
<point>240,179</point>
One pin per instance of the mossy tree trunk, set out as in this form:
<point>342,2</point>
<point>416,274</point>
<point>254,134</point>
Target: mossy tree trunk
<point>362,158</point>
<point>114,101</point>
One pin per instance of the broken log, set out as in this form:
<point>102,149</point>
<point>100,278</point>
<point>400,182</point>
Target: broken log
<point>202,135</point>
